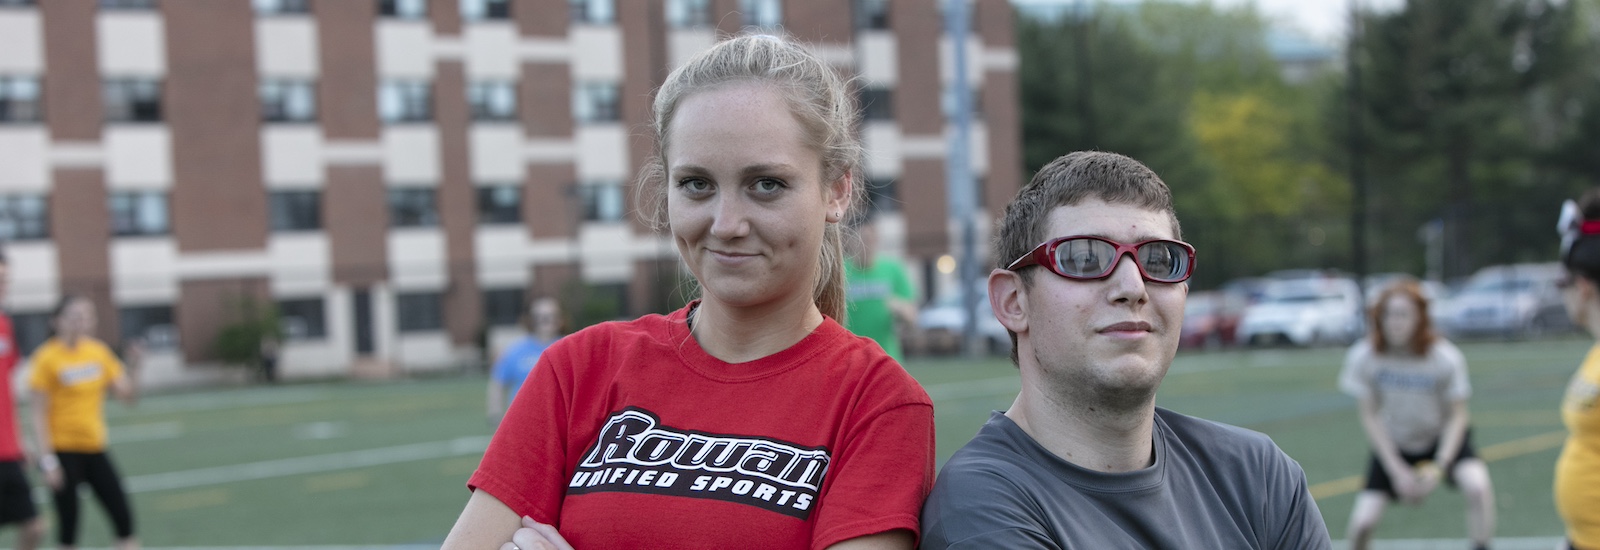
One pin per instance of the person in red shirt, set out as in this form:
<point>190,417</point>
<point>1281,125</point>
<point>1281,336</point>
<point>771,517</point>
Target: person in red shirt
<point>750,418</point>
<point>16,495</point>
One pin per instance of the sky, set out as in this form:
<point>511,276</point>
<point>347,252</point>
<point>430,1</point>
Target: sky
<point>1322,20</point>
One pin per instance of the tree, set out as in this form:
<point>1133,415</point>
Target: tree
<point>1192,91</point>
<point>1462,101</point>
<point>239,343</point>
<point>1088,83</point>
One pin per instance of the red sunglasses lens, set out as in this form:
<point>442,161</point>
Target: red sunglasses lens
<point>1088,258</point>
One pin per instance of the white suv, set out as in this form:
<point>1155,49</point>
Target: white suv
<point>1303,312</point>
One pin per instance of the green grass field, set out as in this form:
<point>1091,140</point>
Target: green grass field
<point>354,463</point>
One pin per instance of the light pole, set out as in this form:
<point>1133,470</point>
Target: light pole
<point>962,192</point>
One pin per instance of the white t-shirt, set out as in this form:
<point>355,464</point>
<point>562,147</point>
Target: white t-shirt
<point>1413,393</point>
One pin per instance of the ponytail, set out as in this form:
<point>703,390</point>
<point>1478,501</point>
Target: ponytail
<point>830,290</point>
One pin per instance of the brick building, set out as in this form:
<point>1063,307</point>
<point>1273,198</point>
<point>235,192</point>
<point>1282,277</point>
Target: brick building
<point>397,175</point>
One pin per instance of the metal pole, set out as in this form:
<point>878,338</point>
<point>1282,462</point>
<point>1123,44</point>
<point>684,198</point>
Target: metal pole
<point>962,192</point>
<point>1358,174</point>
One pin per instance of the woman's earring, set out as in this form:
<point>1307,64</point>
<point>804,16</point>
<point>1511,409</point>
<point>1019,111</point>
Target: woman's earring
<point>834,216</point>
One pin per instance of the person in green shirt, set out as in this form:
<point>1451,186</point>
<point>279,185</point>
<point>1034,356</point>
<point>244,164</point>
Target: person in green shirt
<point>878,291</point>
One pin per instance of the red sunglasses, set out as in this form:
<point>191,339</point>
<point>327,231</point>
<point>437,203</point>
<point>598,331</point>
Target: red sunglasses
<point>1085,257</point>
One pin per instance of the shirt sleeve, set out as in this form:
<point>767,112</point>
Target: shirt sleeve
<point>902,283</point>
<point>525,466</point>
<point>1460,387</point>
<point>1353,379</point>
<point>880,477</point>
<point>502,365</point>
<point>41,376</point>
<point>1294,510</point>
<point>975,507</point>
<point>109,360</point>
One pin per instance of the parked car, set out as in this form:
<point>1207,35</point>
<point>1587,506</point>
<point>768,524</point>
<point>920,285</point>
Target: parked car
<point>1507,300</point>
<point>1303,312</point>
<point>1434,291</point>
<point>940,326</point>
<point>1211,319</point>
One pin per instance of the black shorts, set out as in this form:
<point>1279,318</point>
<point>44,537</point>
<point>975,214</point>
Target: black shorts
<point>1378,479</point>
<point>16,497</point>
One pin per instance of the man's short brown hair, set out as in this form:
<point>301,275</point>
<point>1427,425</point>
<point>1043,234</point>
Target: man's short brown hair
<point>1070,180</point>
<point>1067,181</point>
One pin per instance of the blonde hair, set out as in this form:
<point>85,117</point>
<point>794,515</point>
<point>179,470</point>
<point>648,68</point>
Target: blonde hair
<point>818,98</point>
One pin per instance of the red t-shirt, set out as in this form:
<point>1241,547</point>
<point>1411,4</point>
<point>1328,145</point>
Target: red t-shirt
<point>629,435</point>
<point>10,439</point>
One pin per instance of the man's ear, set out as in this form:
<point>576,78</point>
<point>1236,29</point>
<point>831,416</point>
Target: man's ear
<point>1008,300</point>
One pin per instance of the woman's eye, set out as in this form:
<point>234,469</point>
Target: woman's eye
<point>695,185</point>
<point>768,185</point>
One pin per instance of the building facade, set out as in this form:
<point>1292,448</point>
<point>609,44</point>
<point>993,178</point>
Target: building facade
<point>399,176</point>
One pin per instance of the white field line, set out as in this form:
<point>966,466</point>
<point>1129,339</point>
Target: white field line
<point>1500,543</point>
<point>307,464</point>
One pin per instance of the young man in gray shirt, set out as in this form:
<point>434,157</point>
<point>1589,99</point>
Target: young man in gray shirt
<point>1092,289</point>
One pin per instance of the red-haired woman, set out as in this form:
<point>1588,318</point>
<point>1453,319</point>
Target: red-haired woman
<point>1411,387</point>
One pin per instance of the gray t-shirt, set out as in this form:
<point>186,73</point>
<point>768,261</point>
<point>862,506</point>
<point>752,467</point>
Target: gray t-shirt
<point>1212,486</point>
<point>1413,393</point>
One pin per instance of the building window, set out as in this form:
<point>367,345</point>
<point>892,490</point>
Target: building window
<point>493,100</point>
<point>135,213</point>
<point>405,101</point>
<point>594,12</point>
<point>877,103</point>
<point>132,99</point>
<point>413,207</point>
<point>403,9</point>
<point>503,306</point>
<point>16,3</point>
<point>19,99</point>
<point>24,217</point>
<point>594,102</point>
<point>872,14</point>
<point>500,204</point>
<point>419,311</point>
<point>687,14</point>
<point>285,100</point>
<point>275,7</point>
<point>883,196</point>
<point>295,210</point>
<point>602,202</point>
<point>153,325</point>
<point>302,319</point>
<point>31,329</point>
<point>128,4</point>
<point>478,10</point>
<point>762,13</point>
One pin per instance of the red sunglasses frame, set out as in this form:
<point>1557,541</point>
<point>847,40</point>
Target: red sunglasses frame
<point>1044,255</point>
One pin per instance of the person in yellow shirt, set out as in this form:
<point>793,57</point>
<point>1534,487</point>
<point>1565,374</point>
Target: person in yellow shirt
<point>1577,482</point>
<point>72,372</point>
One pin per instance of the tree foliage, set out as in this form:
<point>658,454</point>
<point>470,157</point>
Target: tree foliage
<point>1478,114</point>
<point>1465,105</point>
<point>1191,91</point>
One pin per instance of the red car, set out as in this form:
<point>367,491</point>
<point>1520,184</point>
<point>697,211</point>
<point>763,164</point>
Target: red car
<point>1210,319</point>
